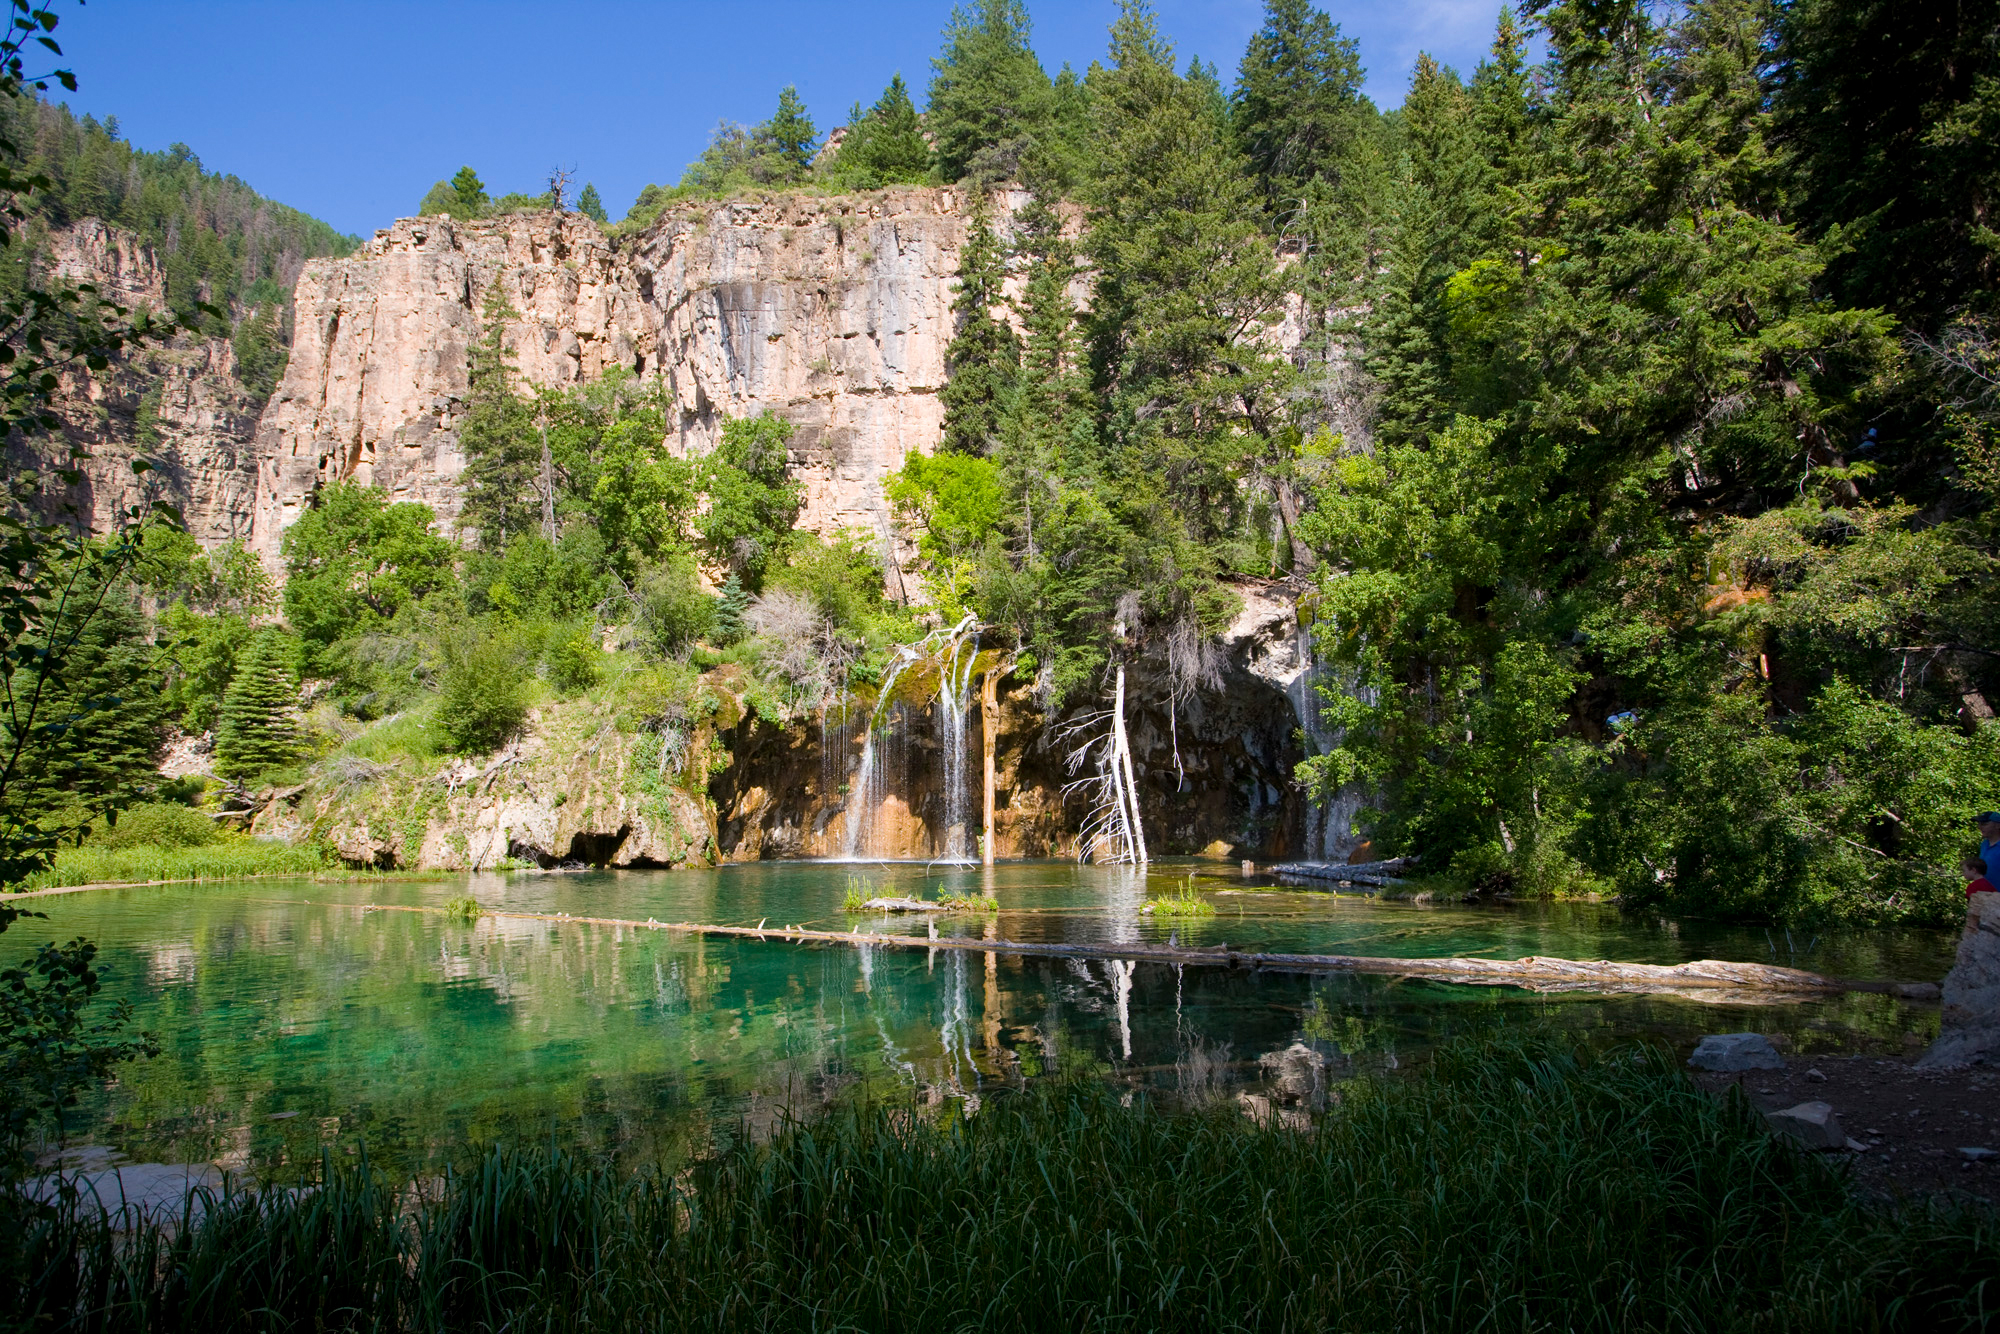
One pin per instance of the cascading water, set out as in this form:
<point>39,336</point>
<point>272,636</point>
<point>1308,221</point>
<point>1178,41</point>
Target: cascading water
<point>883,770</point>
<point>1329,827</point>
<point>953,697</point>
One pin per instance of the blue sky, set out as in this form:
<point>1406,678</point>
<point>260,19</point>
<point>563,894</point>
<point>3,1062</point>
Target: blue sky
<point>351,111</point>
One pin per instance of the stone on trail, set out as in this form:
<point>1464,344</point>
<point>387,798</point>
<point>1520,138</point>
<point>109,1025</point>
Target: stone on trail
<point>1978,1155</point>
<point>1970,1030</point>
<point>1813,1124</point>
<point>1726,1053</point>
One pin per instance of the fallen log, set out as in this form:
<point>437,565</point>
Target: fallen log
<point>1535,973</point>
<point>903,905</point>
<point>1381,874</point>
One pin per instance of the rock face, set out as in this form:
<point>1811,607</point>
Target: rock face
<point>573,789</point>
<point>833,312</point>
<point>1970,1034</point>
<point>1215,771</point>
<point>180,404</point>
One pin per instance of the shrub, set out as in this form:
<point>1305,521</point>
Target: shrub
<point>674,611</point>
<point>483,692</point>
<point>158,825</point>
<point>573,661</point>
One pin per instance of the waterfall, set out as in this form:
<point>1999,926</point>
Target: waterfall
<point>884,767</point>
<point>1329,831</point>
<point>954,694</point>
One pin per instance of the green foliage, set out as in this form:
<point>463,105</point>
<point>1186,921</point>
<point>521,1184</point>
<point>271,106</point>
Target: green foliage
<point>957,503</point>
<point>731,601</point>
<point>984,358</point>
<point>261,346</point>
<point>217,240</point>
<point>776,154</point>
<point>790,135</point>
<point>158,825</point>
<point>591,205</point>
<point>462,197</point>
<point>482,690</point>
<point>575,662</point>
<point>1183,902</point>
<point>675,612</point>
<point>234,857</point>
<point>1525,1185</point>
<point>52,1048</point>
<point>1297,109</point>
<point>353,561</point>
<point>463,908</point>
<point>993,113</point>
<point>499,433</point>
<point>257,728</point>
<point>752,501</point>
<point>884,145</point>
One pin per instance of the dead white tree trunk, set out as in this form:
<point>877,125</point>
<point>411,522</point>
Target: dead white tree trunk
<point>1122,753</point>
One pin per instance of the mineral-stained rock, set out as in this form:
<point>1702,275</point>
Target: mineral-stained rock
<point>1970,1031</point>
<point>1728,1052</point>
<point>1812,1124</point>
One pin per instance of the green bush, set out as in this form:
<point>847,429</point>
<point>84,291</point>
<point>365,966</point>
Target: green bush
<point>574,661</point>
<point>158,825</point>
<point>483,691</point>
<point>674,611</point>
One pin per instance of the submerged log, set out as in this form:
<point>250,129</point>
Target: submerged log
<point>1715,979</point>
<point>903,905</point>
<point>1343,873</point>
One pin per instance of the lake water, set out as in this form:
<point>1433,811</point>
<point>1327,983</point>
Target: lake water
<point>292,1018</point>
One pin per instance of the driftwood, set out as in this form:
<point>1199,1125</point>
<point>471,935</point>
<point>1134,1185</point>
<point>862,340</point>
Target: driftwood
<point>1343,873</point>
<point>903,905</point>
<point>1713,979</point>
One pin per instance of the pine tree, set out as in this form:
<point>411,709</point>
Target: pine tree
<point>260,350</point>
<point>731,601</point>
<point>788,137</point>
<point>257,730</point>
<point>991,106</point>
<point>498,435</point>
<point>1184,275</point>
<point>885,145</point>
<point>985,354</point>
<point>108,690</point>
<point>1297,108</point>
<point>591,205</point>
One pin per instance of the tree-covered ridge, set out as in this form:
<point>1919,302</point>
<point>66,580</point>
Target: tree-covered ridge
<point>218,240</point>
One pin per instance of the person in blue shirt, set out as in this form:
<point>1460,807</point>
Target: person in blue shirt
<point>1989,837</point>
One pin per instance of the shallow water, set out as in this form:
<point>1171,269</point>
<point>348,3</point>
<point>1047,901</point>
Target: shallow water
<point>292,1019</point>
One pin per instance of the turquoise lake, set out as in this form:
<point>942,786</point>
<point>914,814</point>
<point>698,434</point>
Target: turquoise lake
<point>294,1020</point>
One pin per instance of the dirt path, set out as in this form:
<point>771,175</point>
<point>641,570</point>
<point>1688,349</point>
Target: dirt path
<point>1913,1122</point>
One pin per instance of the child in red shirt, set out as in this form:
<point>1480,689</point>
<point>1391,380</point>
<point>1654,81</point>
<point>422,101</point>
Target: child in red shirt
<point>1976,882</point>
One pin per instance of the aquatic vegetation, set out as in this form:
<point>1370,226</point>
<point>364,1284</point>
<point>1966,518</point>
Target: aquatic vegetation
<point>1529,1185</point>
<point>860,889</point>
<point>462,908</point>
<point>969,902</point>
<point>1183,902</point>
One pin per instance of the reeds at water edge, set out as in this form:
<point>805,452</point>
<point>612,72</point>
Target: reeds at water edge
<point>1534,1185</point>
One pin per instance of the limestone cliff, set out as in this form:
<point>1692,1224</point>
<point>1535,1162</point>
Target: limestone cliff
<point>834,312</point>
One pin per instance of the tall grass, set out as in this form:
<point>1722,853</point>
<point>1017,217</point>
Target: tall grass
<point>1524,1188</point>
<point>233,857</point>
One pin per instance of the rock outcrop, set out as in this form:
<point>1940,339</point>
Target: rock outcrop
<point>574,789</point>
<point>834,312</point>
<point>1216,770</point>
<point>1970,1031</point>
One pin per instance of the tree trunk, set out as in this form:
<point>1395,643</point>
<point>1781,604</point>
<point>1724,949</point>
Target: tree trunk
<point>548,483</point>
<point>1121,755</point>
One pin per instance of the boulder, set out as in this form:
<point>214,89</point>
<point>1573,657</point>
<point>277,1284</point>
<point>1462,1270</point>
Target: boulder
<point>1725,1053</point>
<point>1812,1124</point>
<point>1970,1031</point>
